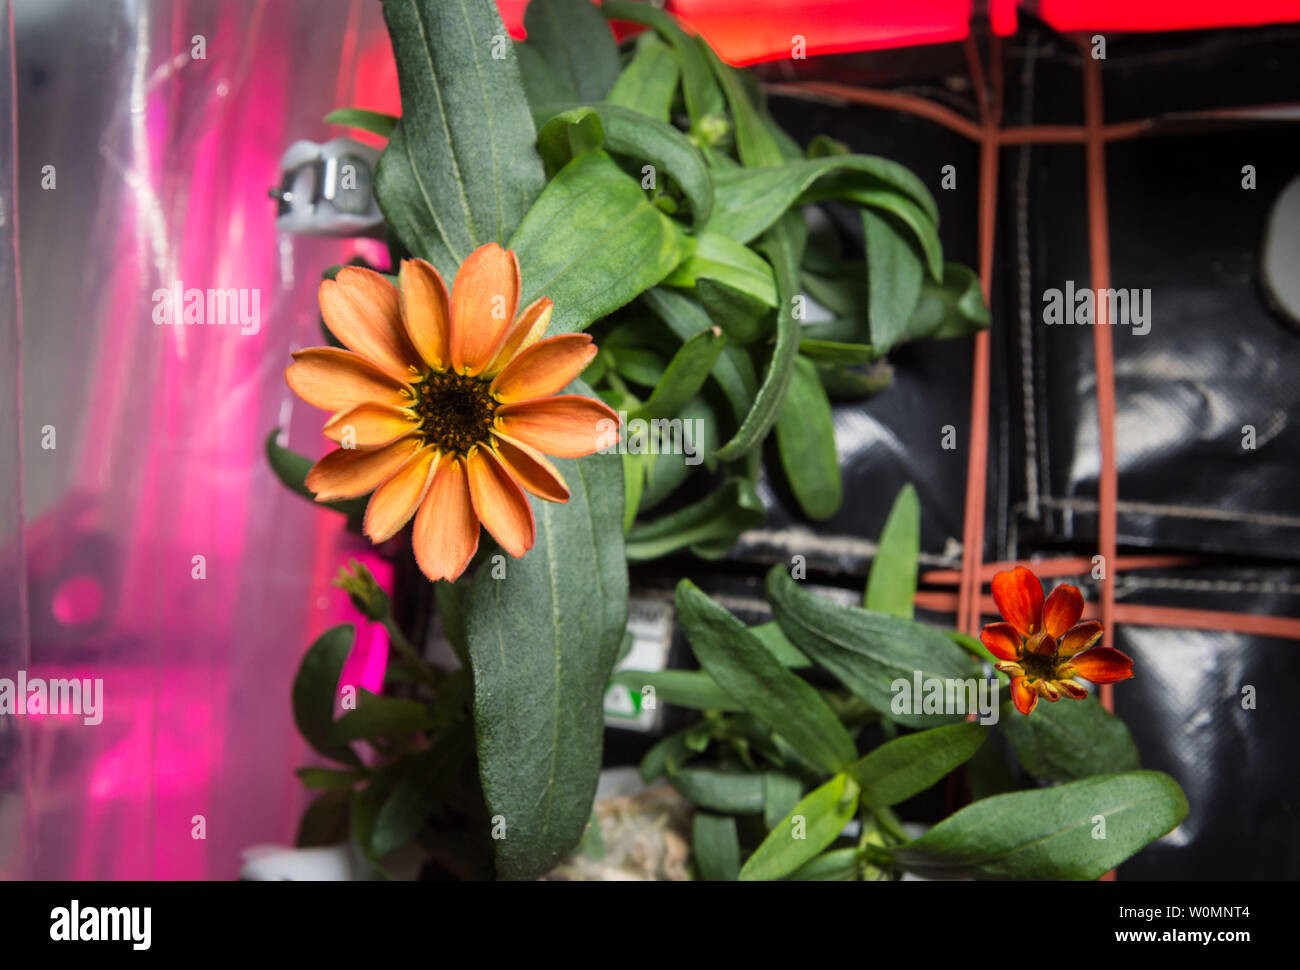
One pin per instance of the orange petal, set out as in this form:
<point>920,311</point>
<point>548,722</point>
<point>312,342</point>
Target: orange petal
<point>350,472</point>
<point>1072,689</point>
<point>334,379</point>
<point>531,469</point>
<point>1042,644</point>
<point>1002,640</point>
<point>1062,610</point>
<point>499,502</point>
<point>363,310</point>
<point>1079,638</point>
<point>1101,665</point>
<point>1024,696</point>
<point>1047,690</point>
<point>568,426</point>
<point>544,368</point>
<point>524,332</point>
<point>371,425</point>
<point>484,298</point>
<point>1019,598</point>
<point>446,530</point>
<point>426,311</point>
<point>395,501</point>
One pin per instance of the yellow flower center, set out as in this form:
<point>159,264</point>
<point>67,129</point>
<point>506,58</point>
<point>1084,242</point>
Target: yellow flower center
<point>455,411</point>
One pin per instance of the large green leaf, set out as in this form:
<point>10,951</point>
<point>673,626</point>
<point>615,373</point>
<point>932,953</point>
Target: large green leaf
<point>784,246</point>
<point>703,99</point>
<point>743,667</point>
<point>756,143</point>
<point>542,641</point>
<point>315,689</point>
<point>1052,833</point>
<point>575,40</point>
<point>648,83</point>
<point>747,201</point>
<point>460,169</point>
<point>1070,739</point>
<point>734,792</point>
<point>716,845</point>
<point>891,584</point>
<point>717,257</point>
<point>805,438</point>
<point>894,274</point>
<point>811,826</point>
<point>869,652</point>
<point>593,241</point>
<point>908,765</point>
<point>381,717</point>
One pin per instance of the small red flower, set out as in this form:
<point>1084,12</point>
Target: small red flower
<point>1042,646</point>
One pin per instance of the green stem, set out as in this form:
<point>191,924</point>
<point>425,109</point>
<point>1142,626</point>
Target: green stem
<point>422,668</point>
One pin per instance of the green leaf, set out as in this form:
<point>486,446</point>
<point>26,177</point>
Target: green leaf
<point>576,41</point>
<point>327,777</point>
<point>732,792</point>
<point>822,352</point>
<point>868,652</point>
<point>733,370</point>
<point>1070,739</point>
<point>415,797</point>
<point>666,472</point>
<point>780,795</point>
<point>1049,833</point>
<point>838,865</point>
<point>891,584</point>
<point>910,764</point>
<point>375,122</point>
<point>381,717</point>
<point>568,134</point>
<point>326,820</point>
<point>670,754</point>
<point>685,688</point>
<point>718,258</point>
<point>723,514</point>
<point>703,99</point>
<point>955,308</point>
<point>592,242</point>
<point>542,83</point>
<point>450,598</point>
<point>716,846</point>
<point>755,143</point>
<point>784,245</point>
<point>810,827</point>
<point>542,641</point>
<point>779,645</point>
<point>742,317</point>
<point>848,384</point>
<point>894,274</point>
<point>805,437</point>
<point>315,688</point>
<point>648,83</point>
<point>742,667</point>
<point>747,201</point>
<point>292,468</point>
<point>908,214</point>
<point>634,472</point>
<point>460,169</point>
<point>686,374</point>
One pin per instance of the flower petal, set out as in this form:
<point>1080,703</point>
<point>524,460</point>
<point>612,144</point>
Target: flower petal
<point>363,310</point>
<point>499,502</point>
<point>531,469</point>
<point>350,472</point>
<point>395,501</point>
<point>1073,689</point>
<point>544,368</point>
<point>1002,639</point>
<point>1047,690</point>
<point>1024,696</point>
<point>484,298</point>
<point>1019,598</point>
<point>524,332</point>
<point>370,425</point>
<point>446,529</point>
<point>1079,638</point>
<point>1062,610</point>
<point>426,311</point>
<point>332,379</point>
<point>1010,668</point>
<point>568,425</point>
<point>1101,665</point>
<point>1041,644</point>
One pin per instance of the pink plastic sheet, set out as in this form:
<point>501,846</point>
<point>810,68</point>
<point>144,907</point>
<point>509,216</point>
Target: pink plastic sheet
<point>148,134</point>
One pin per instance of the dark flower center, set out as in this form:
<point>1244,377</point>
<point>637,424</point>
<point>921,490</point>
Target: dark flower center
<point>455,411</point>
<point>1037,666</point>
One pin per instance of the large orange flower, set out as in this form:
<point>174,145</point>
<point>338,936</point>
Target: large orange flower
<point>444,407</point>
<point>1042,646</point>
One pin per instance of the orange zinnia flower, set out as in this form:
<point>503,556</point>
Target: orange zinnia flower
<point>444,406</point>
<point>1041,646</point>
